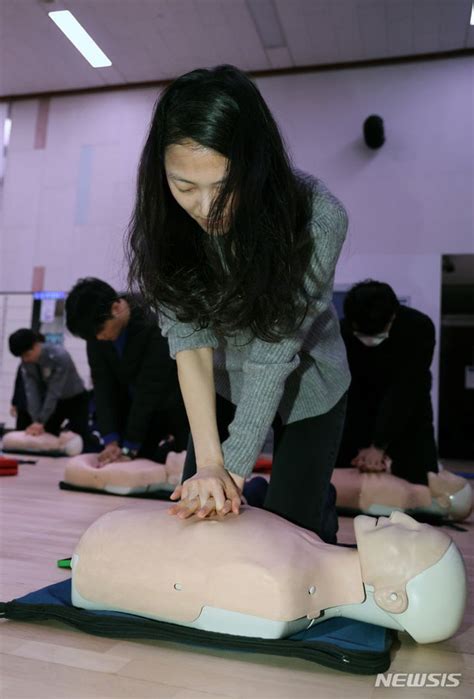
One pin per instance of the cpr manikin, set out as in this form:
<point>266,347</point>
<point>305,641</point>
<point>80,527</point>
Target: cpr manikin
<point>446,494</point>
<point>255,574</point>
<point>125,477</point>
<point>67,444</point>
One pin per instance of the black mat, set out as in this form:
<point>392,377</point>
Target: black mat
<point>343,644</point>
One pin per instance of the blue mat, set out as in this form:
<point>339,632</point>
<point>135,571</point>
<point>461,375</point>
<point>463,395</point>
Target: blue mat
<point>343,644</point>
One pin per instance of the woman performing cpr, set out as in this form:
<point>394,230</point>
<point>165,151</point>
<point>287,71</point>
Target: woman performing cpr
<point>237,251</point>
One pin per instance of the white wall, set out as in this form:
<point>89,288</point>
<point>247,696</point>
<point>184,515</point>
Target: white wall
<point>411,201</point>
<point>66,202</point>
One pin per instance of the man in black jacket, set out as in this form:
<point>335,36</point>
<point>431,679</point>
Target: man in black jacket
<point>138,400</point>
<point>389,414</point>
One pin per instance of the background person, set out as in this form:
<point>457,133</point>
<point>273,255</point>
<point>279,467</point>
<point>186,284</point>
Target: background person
<point>53,388</point>
<point>389,414</point>
<point>137,395</point>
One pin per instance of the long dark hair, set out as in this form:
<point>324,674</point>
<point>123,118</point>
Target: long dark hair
<point>249,276</point>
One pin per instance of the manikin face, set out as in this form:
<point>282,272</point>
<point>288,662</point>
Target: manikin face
<point>32,355</point>
<point>112,327</point>
<point>195,175</point>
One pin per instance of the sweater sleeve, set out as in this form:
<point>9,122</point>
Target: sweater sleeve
<point>270,364</point>
<point>184,336</point>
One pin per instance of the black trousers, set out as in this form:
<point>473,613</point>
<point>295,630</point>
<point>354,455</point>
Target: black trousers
<point>304,454</point>
<point>172,421</point>
<point>23,419</point>
<point>76,411</point>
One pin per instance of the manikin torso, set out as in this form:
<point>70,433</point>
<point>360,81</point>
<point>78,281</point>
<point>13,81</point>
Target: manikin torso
<point>255,573</point>
<point>68,443</point>
<point>215,562</point>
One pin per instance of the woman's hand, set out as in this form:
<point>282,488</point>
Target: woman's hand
<point>212,490</point>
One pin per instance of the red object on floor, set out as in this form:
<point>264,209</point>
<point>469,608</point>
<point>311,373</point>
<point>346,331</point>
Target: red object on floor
<point>8,466</point>
<point>264,463</point>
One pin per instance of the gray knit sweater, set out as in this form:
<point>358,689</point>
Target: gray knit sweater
<point>299,377</point>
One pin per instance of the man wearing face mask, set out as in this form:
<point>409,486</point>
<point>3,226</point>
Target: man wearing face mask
<point>389,415</point>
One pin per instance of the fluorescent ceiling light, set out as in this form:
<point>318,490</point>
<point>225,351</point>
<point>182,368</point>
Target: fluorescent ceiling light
<point>472,14</point>
<point>83,42</point>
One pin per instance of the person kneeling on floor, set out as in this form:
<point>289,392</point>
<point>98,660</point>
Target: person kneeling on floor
<point>54,390</point>
<point>138,400</point>
<point>389,417</point>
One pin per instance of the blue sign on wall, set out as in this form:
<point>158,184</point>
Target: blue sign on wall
<point>40,295</point>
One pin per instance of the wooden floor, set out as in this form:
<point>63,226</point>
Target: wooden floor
<point>40,523</point>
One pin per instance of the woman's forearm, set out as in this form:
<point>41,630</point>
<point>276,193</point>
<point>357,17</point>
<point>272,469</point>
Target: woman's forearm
<point>196,380</point>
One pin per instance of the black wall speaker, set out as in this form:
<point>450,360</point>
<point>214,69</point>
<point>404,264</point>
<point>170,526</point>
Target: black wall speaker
<point>374,134</point>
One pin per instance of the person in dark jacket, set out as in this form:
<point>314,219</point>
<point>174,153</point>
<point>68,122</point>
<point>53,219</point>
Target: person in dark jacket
<point>138,401</point>
<point>389,415</point>
<point>53,390</point>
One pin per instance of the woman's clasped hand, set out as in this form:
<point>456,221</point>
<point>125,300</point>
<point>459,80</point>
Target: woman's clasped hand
<point>211,491</point>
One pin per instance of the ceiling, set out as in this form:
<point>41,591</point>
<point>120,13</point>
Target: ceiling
<point>154,40</point>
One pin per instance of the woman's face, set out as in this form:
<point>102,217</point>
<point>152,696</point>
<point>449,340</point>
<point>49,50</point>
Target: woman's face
<point>195,175</point>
